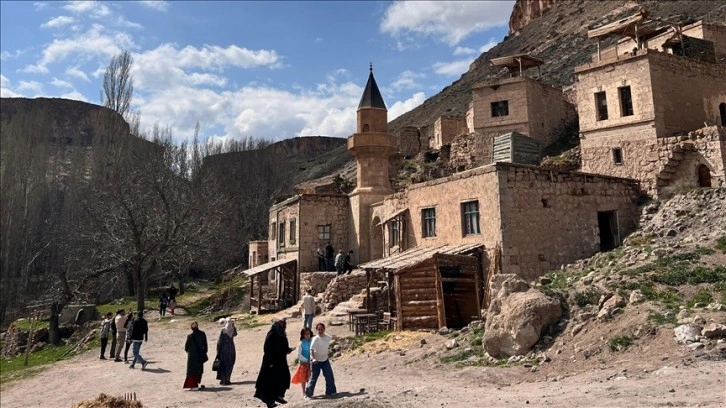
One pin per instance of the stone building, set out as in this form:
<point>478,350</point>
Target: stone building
<point>639,113</point>
<point>446,128</point>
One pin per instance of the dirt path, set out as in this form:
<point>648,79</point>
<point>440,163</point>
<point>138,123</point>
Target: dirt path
<point>387,379</point>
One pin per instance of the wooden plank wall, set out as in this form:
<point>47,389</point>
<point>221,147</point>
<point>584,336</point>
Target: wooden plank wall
<point>416,296</point>
<point>461,292</point>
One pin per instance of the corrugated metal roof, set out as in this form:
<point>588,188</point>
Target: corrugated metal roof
<point>267,266</point>
<point>416,255</point>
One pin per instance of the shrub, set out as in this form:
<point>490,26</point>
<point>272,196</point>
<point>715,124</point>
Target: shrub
<point>620,343</point>
<point>590,296</point>
<point>702,296</point>
<point>721,244</point>
<point>660,318</point>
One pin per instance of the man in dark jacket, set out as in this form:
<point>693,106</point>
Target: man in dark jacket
<point>329,255</point>
<point>140,332</point>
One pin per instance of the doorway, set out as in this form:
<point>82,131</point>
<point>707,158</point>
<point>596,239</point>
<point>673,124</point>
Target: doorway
<point>722,111</point>
<point>376,240</point>
<point>459,296</point>
<point>704,176</point>
<point>607,222</point>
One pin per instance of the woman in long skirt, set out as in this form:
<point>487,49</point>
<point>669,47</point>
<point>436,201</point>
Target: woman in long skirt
<point>274,378</point>
<point>196,348</point>
<point>226,352</point>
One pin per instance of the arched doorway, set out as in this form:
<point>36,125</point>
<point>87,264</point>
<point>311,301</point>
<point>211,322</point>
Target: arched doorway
<point>704,176</point>
<point>376,243</point>
<point>722,111</point>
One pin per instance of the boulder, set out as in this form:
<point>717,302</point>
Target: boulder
<point>610,305</point>
<point>687,333</point>
<point>714,331</point>
<point>517,317</point>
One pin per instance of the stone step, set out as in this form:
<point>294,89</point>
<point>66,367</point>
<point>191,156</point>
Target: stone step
<point>665,176</point>
<point>675,156</point>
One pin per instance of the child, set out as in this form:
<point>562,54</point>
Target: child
<point>105,328</point>
<point>302,374</point>
<point>172,305</point>
<point>163,302</point>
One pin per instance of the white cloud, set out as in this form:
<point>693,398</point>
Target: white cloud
<point>74,95</point>
<point>59,21</point>
<point>451,20</point>
<point>5,55</point>
<point>4,81</point>
<point>93,8</point>
<point>30,86</point>
<point>488,46</point>
<point>453,68</point>
<point>464,51</point>
<point>59,83</point>
<point>76,73</point>
<point>406,80</point>
<point>95,43</point>
<point>401,107</point>
<point>156,5</point>
<point>40,5</point>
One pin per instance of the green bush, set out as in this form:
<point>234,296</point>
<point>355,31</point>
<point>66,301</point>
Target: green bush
<point>620,343</point>
<point>702,296</point>
<point>590,296</point>
<point>721,244</point>
<point>660,318</point>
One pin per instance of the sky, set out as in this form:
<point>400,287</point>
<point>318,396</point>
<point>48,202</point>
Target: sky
<point>271,69</point>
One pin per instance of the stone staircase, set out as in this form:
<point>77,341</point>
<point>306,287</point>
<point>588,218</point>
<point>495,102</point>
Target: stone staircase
<point>675,157</point>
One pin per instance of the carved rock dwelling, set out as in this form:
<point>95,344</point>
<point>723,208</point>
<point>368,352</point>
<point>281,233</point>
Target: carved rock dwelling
<point>436,245</point>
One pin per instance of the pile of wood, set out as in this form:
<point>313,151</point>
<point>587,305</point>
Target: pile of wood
<point>107,401</point>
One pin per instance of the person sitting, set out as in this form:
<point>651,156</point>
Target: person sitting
<point>347,265</point>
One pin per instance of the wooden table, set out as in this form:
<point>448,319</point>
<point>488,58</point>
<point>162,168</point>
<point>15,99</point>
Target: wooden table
<point>365,322</point>
<point>351,313</point>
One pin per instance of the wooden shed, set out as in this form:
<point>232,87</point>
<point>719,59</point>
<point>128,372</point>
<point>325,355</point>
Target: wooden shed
<point>515,147</point>
<point>285,291</point>
<point>434,287</point>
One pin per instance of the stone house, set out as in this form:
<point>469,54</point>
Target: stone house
<point>639,114</point>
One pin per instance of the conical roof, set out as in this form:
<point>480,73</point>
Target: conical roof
<point>371,95</point>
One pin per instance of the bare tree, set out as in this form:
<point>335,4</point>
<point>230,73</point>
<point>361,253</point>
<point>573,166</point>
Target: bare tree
<point>118,84</point>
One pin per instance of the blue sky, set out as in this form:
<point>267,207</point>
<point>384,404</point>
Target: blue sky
<point>270,70</point>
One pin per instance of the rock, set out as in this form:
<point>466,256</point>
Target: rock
<point>444,331</point>
<point>545,281</point>
<point>422,342</point>
<point>696,346</point>
<point>636,296</point>
<point>714,331</point>
<point>687,333</point>
<point>518,315</point>
<point>719,307</point>
<point>577,328</point>
<point>610,306</point>
<point>683,317</point>
<point>697,319</point>
<point>671,233</point>
<point>336,323</point>
<point>451,344</point>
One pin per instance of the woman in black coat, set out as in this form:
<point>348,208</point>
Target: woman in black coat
<point>196,348</point>
<point>274,378</point>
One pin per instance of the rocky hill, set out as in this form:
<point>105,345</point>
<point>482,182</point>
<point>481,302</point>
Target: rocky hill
<point>555,32</point>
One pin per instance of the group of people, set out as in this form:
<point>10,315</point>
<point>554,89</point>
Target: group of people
<point>124,329</point>
<point>329,261</point>
<point>274,378</point>
<point>167,301</point>
<point>196,348</point>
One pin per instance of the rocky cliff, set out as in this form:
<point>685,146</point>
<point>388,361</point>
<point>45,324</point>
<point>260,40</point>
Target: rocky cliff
<point>525,11</point>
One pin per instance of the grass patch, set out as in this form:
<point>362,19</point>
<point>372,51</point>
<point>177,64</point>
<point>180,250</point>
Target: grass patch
<point>620,343</point>
<point>680,275</point>
<point>660,318</point>
<point>226,297</point>
<point>563,279</point>
<point>24,324</point>
<point>721,244</point>
<point>702,296</point>
<point>129,303</point>
<point>358,341</point>
<point>464,354</point>
<point>14,369</point>
<point>721,290</point>
<point>589,296</point>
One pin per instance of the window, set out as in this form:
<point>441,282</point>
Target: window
<point>470,217</point>
<point>617,155</point>
<point>281,235</point>
<point>428,218</point>
<point>500,108</point>
<point>293,231</point>
<point>626,101</point>
<point>601,105</point>
<point>272,231</point>
<point>324,232</point>
<point>395,232</point>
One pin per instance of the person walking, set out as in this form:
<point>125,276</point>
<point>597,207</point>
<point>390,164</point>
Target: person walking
<point>274,377</point>
<point>105,329</point>
<point>226,352</point>
<point>196,348</point>
<point>339,262</point>
<point>129,332</point>
<point>172,306</point>
<point>112,353</point>
<point>119,321</point>
<point>347,263</point>
<point>139,333</point>
<point>172,292</point>
<point>329,255</point>
<point>302,374</point>
<point>308,309</point>
<point>320,362</point>
<point>163,302</point>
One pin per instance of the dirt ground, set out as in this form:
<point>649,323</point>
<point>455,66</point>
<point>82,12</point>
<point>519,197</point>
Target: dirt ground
<point>404,373</point>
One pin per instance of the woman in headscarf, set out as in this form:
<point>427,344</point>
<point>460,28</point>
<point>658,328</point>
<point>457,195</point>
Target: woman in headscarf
<point>196,348</point>
<point>226,352</point>
<point>274,378</point>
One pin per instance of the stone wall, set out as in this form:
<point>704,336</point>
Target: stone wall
<point>548,113</point>
<point>550,218</point>
<point>342,288</point>
<point>680,157</point>
<point>316,281</point>
<point>469,151</point>
<point>410,141</point>
<point>512,90</point>
<point>316,210</point>
<point>446,128</point>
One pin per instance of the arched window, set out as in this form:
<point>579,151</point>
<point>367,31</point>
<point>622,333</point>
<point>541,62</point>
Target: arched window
<point>366,128</point>
<point>722,111</point>
<point>704,176</point>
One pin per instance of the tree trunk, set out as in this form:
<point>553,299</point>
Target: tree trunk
<point>130,287</point>
<point>54,329</point>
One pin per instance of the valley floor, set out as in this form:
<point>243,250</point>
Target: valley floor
<point>411,378</point>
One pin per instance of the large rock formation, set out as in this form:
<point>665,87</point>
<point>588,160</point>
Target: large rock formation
<point>517,317</point>
<point>525,11</point>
